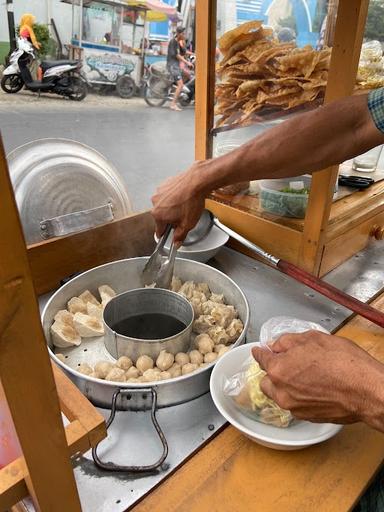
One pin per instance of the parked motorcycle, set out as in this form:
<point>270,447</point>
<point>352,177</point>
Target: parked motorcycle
<point>58,77</point>
<point>160,87</point>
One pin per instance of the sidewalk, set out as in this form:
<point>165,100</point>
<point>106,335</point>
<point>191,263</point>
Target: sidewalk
<point>32,100</point>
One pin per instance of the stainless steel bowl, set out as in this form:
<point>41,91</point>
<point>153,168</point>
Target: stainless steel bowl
<point>137,307</point>
<point>125,275</point>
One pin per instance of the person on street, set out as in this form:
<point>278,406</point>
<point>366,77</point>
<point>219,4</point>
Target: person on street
<point>174,60</point>
<point>318,377</point>
<point>26,31</point>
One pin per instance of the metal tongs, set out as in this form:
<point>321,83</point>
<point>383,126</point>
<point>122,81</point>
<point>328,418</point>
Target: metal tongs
<point>159,269</point>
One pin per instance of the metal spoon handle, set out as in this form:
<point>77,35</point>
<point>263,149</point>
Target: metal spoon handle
<point>255,248</point>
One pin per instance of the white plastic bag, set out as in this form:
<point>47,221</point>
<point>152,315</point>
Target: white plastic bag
<point>276,326</point>
<point>244,389</point>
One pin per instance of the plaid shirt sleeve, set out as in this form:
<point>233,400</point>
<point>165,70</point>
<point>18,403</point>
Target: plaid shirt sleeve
<point>376,107</point>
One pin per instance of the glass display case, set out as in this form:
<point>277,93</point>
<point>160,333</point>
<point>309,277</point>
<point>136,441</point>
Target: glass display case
<point>259,65</point>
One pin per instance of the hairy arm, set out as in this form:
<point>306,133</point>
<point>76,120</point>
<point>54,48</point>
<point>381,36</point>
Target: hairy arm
<point>306,143</point>
<point>309,142</point>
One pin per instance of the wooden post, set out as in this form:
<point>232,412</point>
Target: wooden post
<point>349,32</point>
<point>25,368</point>
<point>331,22</point>
<point>205,76</point>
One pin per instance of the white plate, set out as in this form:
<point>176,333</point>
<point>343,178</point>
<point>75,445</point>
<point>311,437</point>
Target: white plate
<point>299,435</point>
<point>204,250</point>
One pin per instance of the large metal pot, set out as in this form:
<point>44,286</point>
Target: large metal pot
<point>122,276</point>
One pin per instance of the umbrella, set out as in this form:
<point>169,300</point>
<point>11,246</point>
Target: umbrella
<point>156,10</point>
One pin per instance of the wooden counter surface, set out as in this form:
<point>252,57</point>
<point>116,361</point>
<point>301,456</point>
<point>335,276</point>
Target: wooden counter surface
<point>234,474</point>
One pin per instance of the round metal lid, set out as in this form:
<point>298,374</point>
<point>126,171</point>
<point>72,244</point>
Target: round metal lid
<point>62,186</point>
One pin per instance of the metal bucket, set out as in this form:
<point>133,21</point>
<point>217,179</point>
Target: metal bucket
<point>144,340</point>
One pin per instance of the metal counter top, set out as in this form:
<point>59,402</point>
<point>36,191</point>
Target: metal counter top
<point>187,427</point>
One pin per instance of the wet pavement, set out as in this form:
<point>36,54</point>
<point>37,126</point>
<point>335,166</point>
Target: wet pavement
<point>145,144</point>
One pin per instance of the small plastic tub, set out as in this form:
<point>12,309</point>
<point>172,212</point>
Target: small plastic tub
<point>276,200</point>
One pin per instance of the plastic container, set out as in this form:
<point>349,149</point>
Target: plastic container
<point>285,204</point>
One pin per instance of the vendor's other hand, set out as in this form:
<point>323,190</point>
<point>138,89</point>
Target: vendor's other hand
<point>323,378</point>
<point>179,202</point>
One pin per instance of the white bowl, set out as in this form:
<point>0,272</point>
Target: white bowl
<point>204,250</point>
<point>299,435</point>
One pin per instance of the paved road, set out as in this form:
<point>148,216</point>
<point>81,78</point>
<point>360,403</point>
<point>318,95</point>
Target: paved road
<point>146,145</point>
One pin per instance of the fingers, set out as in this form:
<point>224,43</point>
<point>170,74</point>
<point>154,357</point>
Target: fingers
<point>160,228</point>
<point>268,388</point>
<point>180,234</point>
<point>263,356</point>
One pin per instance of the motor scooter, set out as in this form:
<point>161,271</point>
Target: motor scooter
<point>159,87</point>
<point>58,76</point>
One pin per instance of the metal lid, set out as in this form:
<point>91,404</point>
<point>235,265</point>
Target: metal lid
<point>62,186</point>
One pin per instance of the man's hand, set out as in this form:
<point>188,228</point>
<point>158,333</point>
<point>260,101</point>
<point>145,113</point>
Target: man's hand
<point>323,378</point>
<point>180,202</point>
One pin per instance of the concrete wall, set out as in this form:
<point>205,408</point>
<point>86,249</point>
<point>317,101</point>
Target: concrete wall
<point>43,10</point>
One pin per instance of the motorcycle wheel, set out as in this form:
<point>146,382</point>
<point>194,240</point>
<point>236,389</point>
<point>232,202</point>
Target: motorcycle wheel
<point>12,83</point>
<point>80,89</point>
<point>125,87</point>
<point>151,99</point>
<point>184,100</point>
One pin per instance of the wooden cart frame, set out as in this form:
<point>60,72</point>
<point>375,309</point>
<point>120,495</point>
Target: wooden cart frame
<point>37,392</point>
<point>331,232</point>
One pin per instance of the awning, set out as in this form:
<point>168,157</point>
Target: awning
<point>156,10</point>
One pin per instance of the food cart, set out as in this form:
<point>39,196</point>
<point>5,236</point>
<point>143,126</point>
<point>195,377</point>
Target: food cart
<point>109,37</point>
<point>210,465</point>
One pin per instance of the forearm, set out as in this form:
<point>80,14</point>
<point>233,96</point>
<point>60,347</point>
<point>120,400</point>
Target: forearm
<point>309,142</point>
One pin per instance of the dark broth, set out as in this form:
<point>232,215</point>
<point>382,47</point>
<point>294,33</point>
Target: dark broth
<point>149,326</point>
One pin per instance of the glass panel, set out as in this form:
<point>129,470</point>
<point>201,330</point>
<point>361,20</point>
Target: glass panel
<point>273,61</point>
<point>370,76</point>
<point>125,115</point>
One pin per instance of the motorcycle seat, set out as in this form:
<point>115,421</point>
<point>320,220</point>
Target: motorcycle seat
<point>46,64</point>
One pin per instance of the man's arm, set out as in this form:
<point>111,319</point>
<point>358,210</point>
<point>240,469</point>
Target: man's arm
<point>309,142</point>
<point>323,378</point>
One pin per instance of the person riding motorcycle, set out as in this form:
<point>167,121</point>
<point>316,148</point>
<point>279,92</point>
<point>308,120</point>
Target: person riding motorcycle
<point>26,29</point>
<point>26,32</point>
<point>174,60</point>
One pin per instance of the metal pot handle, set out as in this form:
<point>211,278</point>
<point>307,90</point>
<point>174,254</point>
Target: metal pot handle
<point>110,466</point>
<point>76,221</point>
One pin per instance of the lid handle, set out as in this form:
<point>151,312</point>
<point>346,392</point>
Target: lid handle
<point>76,221</point>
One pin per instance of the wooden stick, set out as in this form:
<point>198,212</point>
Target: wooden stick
<point>205,77</point>
<point>25,369</point>
<point>332,293</point>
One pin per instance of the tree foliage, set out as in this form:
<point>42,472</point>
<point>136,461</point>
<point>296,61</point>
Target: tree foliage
<point>375,21</point>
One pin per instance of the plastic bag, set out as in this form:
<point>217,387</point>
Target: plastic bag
<point>244,389</point>
<point>273,328</point>
<point>371,51</point>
